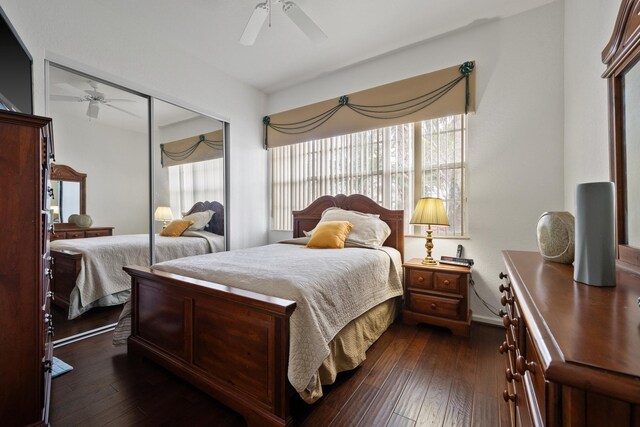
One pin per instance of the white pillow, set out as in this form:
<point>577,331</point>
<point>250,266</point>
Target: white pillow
<point>200,220</point>
<point>368,231</point>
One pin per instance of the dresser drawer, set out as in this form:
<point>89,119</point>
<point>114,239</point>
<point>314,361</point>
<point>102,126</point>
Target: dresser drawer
<point>435,306</point>
<point>74,234</point>
<point>420,279</point>
<point>97,233</point>
<point>447,282</point>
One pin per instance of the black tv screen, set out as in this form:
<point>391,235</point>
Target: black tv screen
<point>15,71</point>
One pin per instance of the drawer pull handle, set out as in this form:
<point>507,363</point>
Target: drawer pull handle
<point>433,306</point>
<point>50,295</point>
<point>504,300</point>
<point>446,283</point>
<point>504,347</point>
<point>523,366</point>
<point>508,397</point>
<point>503,275</point>
<point>503,288</point>
<point>502,313</point>
<point>512,376</point>
<point>420,279</point>
<point>507,321</point>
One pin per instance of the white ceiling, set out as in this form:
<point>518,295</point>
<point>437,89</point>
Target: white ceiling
<point>282,56</point>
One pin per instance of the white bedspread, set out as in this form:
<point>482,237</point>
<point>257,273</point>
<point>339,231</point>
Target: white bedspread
<point>101,271</point>
<point>330,286</point>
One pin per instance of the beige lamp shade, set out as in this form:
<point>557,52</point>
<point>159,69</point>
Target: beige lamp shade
<point>163,213</point>
<point>429,211</point>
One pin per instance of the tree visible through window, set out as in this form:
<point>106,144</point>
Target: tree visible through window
<point>382,165</point>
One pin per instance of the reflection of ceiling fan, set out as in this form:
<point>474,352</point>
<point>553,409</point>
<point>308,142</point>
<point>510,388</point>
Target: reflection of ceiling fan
<point>292,10</point>
<point>95,99</point>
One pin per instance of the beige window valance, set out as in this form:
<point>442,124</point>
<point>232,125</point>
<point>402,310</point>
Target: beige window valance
<point>441,93</point>
<point>193,149</point>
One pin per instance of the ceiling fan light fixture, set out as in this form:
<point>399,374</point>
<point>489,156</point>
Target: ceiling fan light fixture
<point>93,109</point>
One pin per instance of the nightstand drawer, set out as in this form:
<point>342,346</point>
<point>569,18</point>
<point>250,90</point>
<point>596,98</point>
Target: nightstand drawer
<point>434,306</point>
<point>447,282</point>
<point>421,279</point>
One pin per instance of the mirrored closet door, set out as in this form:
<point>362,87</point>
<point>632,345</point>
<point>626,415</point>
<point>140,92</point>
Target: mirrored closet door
<point>100,185</point>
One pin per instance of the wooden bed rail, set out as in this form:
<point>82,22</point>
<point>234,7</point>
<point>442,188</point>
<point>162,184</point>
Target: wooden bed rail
<point>231,343</point>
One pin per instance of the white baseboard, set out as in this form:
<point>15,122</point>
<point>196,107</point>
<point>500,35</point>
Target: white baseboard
<point>493,320</point>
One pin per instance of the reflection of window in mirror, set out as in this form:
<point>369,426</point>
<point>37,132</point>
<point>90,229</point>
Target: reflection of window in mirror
<point>189,158</point>
<point>632,153</point>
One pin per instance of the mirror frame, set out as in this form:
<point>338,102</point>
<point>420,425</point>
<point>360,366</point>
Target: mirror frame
<point>67,173</point>
<point>620,55</point>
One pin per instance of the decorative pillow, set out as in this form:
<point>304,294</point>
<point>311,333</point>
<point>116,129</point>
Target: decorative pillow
<point>368,231</point>
<point>200,219</point>
<point>330,235</point>
<point>176,228</point>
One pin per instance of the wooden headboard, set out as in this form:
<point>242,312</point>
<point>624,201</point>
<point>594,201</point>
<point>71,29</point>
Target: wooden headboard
<point>216,225</point>
<point>309,217</point>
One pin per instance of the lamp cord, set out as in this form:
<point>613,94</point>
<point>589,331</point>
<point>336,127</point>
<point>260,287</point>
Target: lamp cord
<point>489,307</point>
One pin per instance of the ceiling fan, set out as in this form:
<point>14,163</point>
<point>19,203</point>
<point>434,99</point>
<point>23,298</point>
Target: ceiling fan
<point>292,10</point>
<point>95,100</point>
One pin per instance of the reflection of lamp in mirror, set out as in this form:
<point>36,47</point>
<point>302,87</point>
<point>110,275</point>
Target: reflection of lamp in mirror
<point>429,211</point>
<point>55,211</point>
<point>163,214</point>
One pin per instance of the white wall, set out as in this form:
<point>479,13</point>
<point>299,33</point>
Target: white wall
<point>587,29</point>
<point>515,137</point>
<point>87,36</point>
<point>115,161</point>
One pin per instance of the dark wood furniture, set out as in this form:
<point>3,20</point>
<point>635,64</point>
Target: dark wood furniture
<point>72,231</point>
<point>67,173</point>
<point>572,351</point>
<point>621,54</point>
<point>216,224</point>
<point>231,343</point>
<point>25,337</point>
<point>437,295</point>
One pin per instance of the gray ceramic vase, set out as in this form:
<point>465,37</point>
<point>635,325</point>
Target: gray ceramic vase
<point>83,221</point>
<point>556,236</point>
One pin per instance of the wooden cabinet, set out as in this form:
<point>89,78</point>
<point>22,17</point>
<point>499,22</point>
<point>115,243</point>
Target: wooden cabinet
<point>438,295</point>
<point>25,334</point>
<point>66,231</point>
<point>571,351</point>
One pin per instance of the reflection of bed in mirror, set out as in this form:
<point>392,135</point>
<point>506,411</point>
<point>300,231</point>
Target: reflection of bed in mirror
<point>88,271</point>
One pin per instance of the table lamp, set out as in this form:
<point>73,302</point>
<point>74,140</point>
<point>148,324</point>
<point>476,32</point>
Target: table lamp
<point>429,211</point>
<point>163,214</point>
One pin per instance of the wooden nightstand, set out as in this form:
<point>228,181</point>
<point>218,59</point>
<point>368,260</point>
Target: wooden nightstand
<point>437,295</point>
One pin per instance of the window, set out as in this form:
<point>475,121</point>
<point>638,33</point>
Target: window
<point>193,182</point>
<point>380,164</point>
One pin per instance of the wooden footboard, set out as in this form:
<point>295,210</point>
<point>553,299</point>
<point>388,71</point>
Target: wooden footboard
<point>232,344</point>
<point>66,266</point>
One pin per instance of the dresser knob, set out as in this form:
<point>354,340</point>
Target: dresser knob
<point>503,275</point>
<point>433,306</point>
<point>512,376</point>
<point>502,313</point>
<point>523,366</point>
<point>508,397</point>
<point>446,283</point>
<point>503,288</point>
<point>420,278</point>
<point>504,347</point>
<point>47,365</point>
<point>50,295</point>
<point>508,321</point>
<point>50,330</point>
<point>50,192</point>
<point>49,273</point>
<point>504,300</point>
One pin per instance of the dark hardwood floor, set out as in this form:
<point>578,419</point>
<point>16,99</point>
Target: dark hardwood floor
<point>92,319</point>
<point>413,376</point>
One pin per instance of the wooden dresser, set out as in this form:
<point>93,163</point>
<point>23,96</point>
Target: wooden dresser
<point>571,351</point>
<point>437,295</point>
<point>25,335</point>
<point>68,231</point>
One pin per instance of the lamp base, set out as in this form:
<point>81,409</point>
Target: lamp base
<point>429,261</point>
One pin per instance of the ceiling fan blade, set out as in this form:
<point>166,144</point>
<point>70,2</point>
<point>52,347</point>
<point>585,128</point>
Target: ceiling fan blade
<point>303,21</point>
<point>94,93</point>
<point>93,109</point>
<point>124,111</point>
<point>256,21</point>
<point>119,100</point>
<point>65,98</point>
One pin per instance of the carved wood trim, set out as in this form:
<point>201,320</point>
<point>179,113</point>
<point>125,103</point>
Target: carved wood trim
<point>216,224</point>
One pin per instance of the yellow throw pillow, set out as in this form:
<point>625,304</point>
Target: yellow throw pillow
<point>330,235</point>
<point>176,228</point>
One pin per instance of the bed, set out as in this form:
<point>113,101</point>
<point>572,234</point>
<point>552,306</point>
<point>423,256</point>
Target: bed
<point>234,343</point>
<point>88,271</point>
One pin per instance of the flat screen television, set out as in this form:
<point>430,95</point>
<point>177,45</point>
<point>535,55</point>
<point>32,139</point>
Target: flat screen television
<point>16,91</point>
